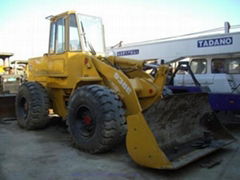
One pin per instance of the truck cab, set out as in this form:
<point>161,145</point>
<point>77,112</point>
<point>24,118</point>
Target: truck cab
<point>220,73</point>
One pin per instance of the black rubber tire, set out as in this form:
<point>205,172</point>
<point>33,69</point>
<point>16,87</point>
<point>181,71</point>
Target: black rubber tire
<point>105,109</point>
<point>32,104</point>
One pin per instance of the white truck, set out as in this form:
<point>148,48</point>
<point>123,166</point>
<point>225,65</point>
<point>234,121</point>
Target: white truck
<point>214,58</point>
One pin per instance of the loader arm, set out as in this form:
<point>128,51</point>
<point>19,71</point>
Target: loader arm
<point>141,144</point>
<point>148,88</point>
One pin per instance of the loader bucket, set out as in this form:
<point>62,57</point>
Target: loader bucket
<point>7,106</point>
<point>175,131</point>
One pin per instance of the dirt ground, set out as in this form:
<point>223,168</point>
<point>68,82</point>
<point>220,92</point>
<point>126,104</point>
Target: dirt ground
<point>49,154</point>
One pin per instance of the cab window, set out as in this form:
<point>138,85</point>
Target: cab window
<point>199,66</point>
<point>52,38</point>
<point>60,37</point>
<point>74,40</point>
<point>234,66</point>
<point>219,66</point>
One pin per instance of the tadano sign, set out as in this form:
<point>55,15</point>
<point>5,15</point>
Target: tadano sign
<point>215,42</point>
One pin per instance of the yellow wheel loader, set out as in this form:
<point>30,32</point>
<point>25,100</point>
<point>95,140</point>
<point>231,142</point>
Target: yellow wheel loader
<point>105,99</point>
<point>9,83</point>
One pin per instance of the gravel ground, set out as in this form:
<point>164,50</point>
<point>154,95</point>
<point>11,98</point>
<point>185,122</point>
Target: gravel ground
<point>49,154</point>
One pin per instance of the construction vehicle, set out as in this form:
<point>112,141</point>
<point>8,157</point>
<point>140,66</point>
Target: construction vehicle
<point>103,99</point>
<point>19,67</point>
<point>9,83</point>
<point>205,52</point>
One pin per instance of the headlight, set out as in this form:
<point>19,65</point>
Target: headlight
<point>9,79</point>
<point>12,79</point>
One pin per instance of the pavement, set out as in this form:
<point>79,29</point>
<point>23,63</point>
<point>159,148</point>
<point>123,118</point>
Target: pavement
<point>49,154</point>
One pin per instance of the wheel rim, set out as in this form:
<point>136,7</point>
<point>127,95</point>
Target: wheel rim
<point>85,123</point>
<point>24,107</point>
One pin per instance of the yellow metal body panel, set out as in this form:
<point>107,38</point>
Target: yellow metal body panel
<point>62,73</point>
<point>2,69</point>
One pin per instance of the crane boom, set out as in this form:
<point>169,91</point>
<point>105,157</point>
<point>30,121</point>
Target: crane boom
<point>194,44</point>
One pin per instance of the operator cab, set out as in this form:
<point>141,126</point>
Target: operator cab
<point>220,73</point>
<point>3,63</point>
<point>74,32</point>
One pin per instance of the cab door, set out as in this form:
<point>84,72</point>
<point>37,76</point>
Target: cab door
<point>57,48</point>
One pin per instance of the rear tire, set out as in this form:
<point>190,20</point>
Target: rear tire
<point>32,104</point>
<point>96,119</point>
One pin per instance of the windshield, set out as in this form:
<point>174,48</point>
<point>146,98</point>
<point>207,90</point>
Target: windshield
<point>93,30</point>
<point>224,65</point>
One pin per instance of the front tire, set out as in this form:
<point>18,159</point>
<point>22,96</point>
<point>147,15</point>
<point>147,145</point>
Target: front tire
<point>96,119</point>
<point>32,104</point>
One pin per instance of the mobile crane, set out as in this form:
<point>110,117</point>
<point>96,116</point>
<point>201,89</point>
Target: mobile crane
<point>213,56</point>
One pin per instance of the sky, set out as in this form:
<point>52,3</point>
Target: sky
<point>25,31</point>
